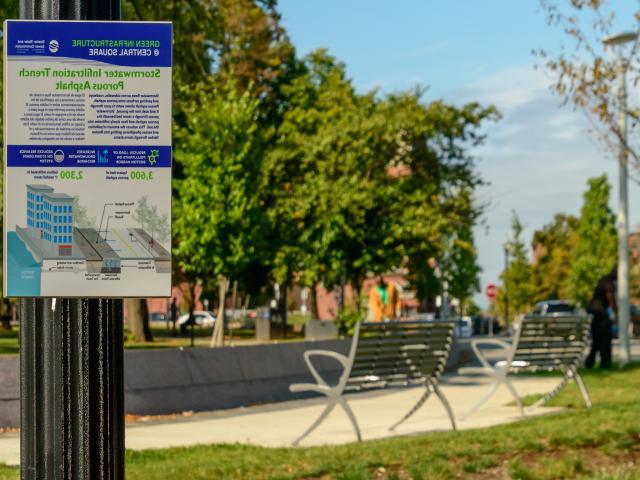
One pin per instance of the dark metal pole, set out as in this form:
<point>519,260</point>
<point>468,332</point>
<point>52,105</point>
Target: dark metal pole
<point>506,286</point>
<point>71,357</point>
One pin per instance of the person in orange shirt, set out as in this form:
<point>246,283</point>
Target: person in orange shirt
<point>384,301</point>
<point>377,301</point>
<point>392,308</point>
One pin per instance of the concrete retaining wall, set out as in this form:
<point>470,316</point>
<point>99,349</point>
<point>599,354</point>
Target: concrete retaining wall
<point>174,380</point>
<point>169,381</point>
<point>9,391</point>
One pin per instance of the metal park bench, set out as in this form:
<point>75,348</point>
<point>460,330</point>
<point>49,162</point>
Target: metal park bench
<point>541,343</point>
<point>390,354</point>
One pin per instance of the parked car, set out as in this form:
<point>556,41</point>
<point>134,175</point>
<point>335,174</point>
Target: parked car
<point>484,325</point>
<point>202,318</point>
<point>464,327</point>
<point>157,318</point>
<point>548,307</point>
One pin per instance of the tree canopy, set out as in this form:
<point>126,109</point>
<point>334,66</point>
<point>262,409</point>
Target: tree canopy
<point>596,249</point>
<point>284,172</point>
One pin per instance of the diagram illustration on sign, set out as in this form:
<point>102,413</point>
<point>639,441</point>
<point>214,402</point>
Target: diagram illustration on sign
<point>87,159</point>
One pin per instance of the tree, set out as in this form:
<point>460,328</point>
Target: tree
<point>553,246</point>
<point>357,183</point>
<point>463,267</point>
<point>218,218</point>
<point>596,249</point>
<point>588,76</point>
<point>254,50</point>
<point>81,215</point>
<point>138,320</point>
<point>149,218</point>
<point>517,278</point>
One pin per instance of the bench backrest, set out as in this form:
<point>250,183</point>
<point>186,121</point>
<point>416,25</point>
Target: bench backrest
<point>399,352</point>
<point>551,342</point>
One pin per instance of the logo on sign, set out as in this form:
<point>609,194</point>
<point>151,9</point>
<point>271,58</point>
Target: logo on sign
<point>54,46</point>
<point>58,156</point>
<point>153,157</point>
<point>103,156</point>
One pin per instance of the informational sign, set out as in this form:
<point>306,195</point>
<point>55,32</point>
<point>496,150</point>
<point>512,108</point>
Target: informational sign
<point>87,159</point>
<point>491,292</point>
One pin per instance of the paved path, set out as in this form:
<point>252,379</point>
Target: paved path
<point>279,424</point>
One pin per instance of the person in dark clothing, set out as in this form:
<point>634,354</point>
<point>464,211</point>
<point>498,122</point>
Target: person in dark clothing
<point>174,314</point>
<point>603,299</point>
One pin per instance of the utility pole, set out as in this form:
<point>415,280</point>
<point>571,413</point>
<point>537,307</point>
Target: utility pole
<point>616,42</point>
<point>506,284</point>
<point>71,352</point>
<point>623,225</point>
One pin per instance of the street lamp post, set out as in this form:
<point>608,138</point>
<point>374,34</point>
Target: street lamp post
<point>623,203</point>
<point>506,286</point>
<point>71,351</point>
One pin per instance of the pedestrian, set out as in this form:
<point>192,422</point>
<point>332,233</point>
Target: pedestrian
<point>174,314</point>
<point>378,300</point>
<point>601,307</point>
<point>392,309</point>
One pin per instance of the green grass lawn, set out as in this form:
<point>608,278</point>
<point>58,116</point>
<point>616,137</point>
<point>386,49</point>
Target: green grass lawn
<point>162,338</point>
<point>601,443</point>
<point>9,342</point>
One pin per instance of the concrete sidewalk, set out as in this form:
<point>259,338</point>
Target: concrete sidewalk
<point>277,425</point>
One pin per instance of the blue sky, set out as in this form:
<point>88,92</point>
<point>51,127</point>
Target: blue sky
<point>537,158</point>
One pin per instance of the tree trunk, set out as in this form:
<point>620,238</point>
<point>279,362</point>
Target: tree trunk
<point>217,338</point>
<point>313,302</point>
<point>5,314</point>
<point>284,309</point>
<point>138,319</point>
<point>356,288</point>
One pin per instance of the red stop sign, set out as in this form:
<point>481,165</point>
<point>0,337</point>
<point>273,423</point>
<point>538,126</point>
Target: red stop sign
<point>491,292</point>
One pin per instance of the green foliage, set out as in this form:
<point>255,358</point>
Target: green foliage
<point>357,183</point>
<point>554,244</point>
<point>282,171</point>
<point>348,318</point>
<point>517,278</point>
<point>595,252</point>
<point>217,214</point>
<point>464,269</point>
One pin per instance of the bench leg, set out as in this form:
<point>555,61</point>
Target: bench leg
<point>415,408</point>
<point>513,391</point>
<point>583,388</point>
<point>485,399</point>
<point>330,406</point>
<point>553,392</point>
<point>444,401</point>
<point>351,416</point>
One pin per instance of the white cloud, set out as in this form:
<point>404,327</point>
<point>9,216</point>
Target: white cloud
<point>537,159</point>
<point>507,88</point>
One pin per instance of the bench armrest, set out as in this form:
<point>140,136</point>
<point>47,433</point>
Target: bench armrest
<point>342,359</point>
<point>475,345</point>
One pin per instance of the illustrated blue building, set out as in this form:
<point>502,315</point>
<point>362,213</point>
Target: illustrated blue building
<point>35,218</point>
<point>52,214</point>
